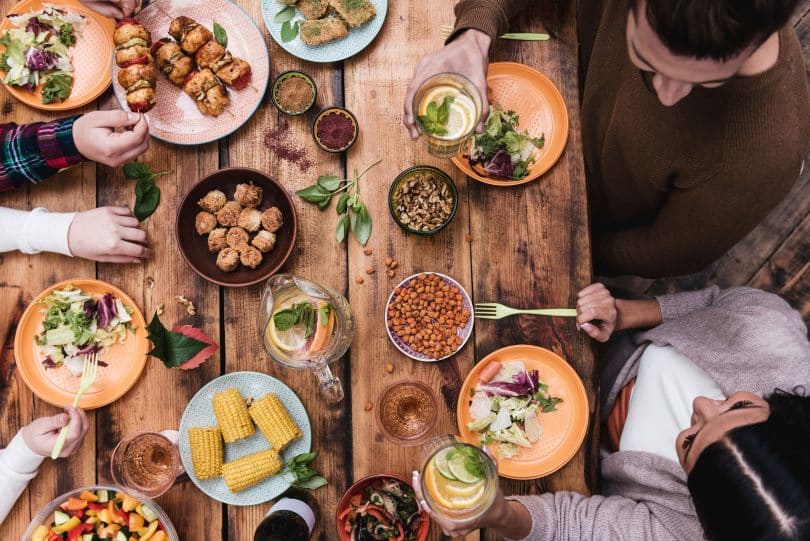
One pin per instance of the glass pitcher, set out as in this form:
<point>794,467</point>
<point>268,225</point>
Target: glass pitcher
<point>305,325</point>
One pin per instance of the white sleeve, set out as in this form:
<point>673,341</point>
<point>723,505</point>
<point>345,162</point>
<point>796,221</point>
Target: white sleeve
<point>18,465</point>
<point>35,231</point>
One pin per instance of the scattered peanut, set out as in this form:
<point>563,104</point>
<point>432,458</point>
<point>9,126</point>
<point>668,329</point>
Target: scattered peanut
<point>150,282</point>
<point>159,309</point>
<point>370,270</point>
<point>394,264</point>
<point>390,273</point>
<point>387,261</point>
<point>468,238</point>
<point>368,406</point>
<point>427,314</point>
<point>359,280</point>
<point>367,251</point>
<point>389,368</point>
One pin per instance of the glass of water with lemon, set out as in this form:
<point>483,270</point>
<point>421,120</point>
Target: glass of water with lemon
<point>459,481</point>
<point>305,325</point>
<point>448,108</point>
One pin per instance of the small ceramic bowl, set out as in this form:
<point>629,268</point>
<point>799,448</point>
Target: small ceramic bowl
<point>345,504</point>
<point>339,111</point>
<point>464,333</point>
<point>194,247</point>
<point>406,175</point>
<point>287,75</point>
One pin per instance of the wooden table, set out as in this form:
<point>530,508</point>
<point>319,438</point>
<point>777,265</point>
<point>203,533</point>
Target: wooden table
<point>523,246</point>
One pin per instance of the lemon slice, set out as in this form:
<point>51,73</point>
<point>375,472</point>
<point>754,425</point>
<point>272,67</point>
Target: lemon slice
<point>458,467</point>
<point>292,339</point>
<point>437,94</point>
<point>461,118</point>
<point>440,461</point>
<point>452,495</point>
<point>459,490</point>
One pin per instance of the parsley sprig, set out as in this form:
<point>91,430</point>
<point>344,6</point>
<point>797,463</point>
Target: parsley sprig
<point>435,120</point>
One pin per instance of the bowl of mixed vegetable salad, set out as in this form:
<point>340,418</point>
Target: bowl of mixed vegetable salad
<point>100,512</point>
<point>381,507</point>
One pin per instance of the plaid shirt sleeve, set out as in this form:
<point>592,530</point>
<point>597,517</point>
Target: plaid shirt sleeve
<point>33,152</point>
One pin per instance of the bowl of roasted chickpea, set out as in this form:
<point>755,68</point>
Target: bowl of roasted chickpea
<point>236,227</point>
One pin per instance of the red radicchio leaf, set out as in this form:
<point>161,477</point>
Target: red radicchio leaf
<point>204,354</point>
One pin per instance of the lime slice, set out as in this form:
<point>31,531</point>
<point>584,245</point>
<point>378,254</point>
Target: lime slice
<point>458,467</point>
<point>440,461</point>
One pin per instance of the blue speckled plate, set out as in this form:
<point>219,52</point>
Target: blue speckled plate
<point>199,412</point>
<point>357,40</point>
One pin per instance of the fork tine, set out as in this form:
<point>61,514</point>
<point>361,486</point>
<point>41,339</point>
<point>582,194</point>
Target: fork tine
<point>485,308</point>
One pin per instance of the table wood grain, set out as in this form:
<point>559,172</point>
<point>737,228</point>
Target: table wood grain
<point>523,246</point>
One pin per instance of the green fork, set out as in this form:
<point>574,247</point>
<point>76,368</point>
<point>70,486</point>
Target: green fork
<point>493,310</point>
<point>89,373</point>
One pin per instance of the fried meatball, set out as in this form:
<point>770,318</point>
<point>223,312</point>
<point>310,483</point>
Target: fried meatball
<point>228,259</point>
<point>217,240</point>
<point>264,241</point>
<point>229,214</point>
<point>272,220</point>
<point>205,222</point>
<point>130,55</point>
<point>237,238</point>
<point>250,257</point>
<point>213,201</point>
<point>248,195</point>
<point>250,219</point>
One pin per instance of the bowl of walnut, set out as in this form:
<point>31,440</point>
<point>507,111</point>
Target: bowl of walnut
<point>236,227</point>
<point>423,200</point>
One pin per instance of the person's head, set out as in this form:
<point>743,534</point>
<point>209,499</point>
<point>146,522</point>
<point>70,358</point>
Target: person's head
<point>748,466</point>
<point>683,43</point>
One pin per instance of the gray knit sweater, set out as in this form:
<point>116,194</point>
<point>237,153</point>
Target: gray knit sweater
<point>746,340</point>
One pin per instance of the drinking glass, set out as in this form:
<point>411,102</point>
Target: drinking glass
<point>146,463</point>
<point>407,411</point>
<point>327,343</point>
<point>465,111</point>
<point>459,480</point>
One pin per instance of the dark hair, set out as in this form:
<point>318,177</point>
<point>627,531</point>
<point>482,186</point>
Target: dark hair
<point>754,484</point>
<point>716,29</point>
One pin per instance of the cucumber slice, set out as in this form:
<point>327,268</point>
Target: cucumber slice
<point>440,462</point>
<point>89,537</point>
<point>60,518</point>
<point>148,514</point>
<point>103,496</point>
<point>120,536</point>
<point>458,467</point>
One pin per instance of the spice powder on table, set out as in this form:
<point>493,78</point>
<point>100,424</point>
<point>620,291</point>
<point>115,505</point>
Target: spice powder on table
<point>294,94</point>
<point>335,130</point>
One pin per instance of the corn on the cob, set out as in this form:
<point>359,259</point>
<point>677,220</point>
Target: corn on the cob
<point>274,421</point>
<point>206,451</point>
<point>248,470</point>
<point>232,415</point>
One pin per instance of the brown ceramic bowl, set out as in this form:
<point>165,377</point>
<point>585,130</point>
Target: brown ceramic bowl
<point>194,247</point>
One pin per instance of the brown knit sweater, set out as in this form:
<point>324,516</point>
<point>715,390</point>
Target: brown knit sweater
<point>672,188</point>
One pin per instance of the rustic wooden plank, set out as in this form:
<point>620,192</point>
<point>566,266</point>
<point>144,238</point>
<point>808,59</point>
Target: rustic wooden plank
<point>159,398</point>
<point>531,244</point>
<point>376,82</point>
<point>24,276</point>
<point>260,144</point>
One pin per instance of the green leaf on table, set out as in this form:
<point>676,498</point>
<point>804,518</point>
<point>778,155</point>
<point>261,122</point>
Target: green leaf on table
<point>329,183</point>
<point>172,348</point>
<point>323,204</point>
<point>289,31</point>
<point>305,458</point>
<point>342,228</point>
<point>314,194</point>
<point>220,34</point>
<point>362,229</point>
<point>147,202</point>
<point>316,481</point>
<point>341,204</point>
<point>136,170</point>
<point>285,15</point>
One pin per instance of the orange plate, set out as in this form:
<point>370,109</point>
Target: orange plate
<point>541,109</point>
<point>57,386</point>
<point>563,429</point>
<point>92,73</point>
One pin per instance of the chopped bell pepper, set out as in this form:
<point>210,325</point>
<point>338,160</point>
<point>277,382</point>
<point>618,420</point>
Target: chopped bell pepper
<point>135,522</point>
<point>73,504</point>
<point>67,526</point>
<point>128,503</point>
<point>76,533</point>
<point>115,514</point>
<point>149,532</point>
<point>104,516</point>
<point>88,496</point>
<point>55,537</point>
<point>41,533</point>
<point>109,531</point>
<point>160,535</point>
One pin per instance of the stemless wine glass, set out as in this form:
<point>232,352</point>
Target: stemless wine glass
<point>295,339</point>
<point>146,464</point>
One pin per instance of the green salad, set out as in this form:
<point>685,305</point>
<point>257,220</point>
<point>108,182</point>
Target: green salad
<point>76,323</point>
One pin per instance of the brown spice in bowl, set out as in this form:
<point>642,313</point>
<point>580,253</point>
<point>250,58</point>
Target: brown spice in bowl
<point>294,94</point>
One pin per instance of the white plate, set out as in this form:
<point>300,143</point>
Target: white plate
<point>334,51</point>
<point>175,118</point>
<point>200,412</point>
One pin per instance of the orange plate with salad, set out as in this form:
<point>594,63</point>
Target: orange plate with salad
<point>503,396</point>
<point>70,319</point>
<point>88,57</point>
<point>541,111</point>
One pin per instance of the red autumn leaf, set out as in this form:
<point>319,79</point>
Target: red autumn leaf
<point>204,354</point>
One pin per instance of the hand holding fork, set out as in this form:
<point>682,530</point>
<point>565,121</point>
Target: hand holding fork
<point>89,373</point>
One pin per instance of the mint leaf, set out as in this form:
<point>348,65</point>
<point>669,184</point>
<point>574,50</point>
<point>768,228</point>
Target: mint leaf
<point>285,15</point>
<point>147,202</point>
<point>289,31</point>
<point>342,227</point>
<point>341,204</point>
<point>285,320</point>
<point>172,348</point>
<point>314,194</point>
<point>136,170</point>
<point>330,183</point>
<point>220,34</point>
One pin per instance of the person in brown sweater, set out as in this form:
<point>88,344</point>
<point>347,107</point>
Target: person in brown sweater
<point>695,120</point>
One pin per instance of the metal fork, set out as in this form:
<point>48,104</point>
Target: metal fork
<point>89,373</point>
<point>494,310</point>
<point>446,29</point>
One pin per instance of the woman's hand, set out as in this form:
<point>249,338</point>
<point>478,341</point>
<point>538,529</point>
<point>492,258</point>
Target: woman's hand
<point>467,55</point>
<point>597,314</point>
<point>96,137</point>
<point>40,436</point>
<point>114,9</point>
<point>109,235</point>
